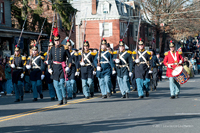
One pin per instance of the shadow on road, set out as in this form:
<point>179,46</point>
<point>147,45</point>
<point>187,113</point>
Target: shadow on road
<point>97,126</point>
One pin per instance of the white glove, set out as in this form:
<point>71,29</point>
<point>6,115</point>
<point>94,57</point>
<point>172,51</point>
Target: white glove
<point>82,64</point>
<point>114,72</point>
<point>160,63</point>
<point>77,73</point>
<point>98,68</point>
<point>94,72</point>
<point>28,67</point>
<point>50,71</point>
<point>150,71</point>
<point>130,74</point>
<point>180,62</point>
<point>137,61</point>
<point>169,66</point>
<point>22,75</point>
<point>67,69</point>
<point>12,65</point>
<point>42,77</point>
<point>117,61</point>
<point>46,62</point>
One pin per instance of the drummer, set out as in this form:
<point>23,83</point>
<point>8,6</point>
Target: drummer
<point>172,60</point>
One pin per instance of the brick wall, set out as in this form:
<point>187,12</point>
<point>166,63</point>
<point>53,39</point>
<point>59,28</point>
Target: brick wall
<point>93,35</point>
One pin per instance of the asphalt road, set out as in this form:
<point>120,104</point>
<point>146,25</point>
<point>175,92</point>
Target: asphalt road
<point>156,114</point>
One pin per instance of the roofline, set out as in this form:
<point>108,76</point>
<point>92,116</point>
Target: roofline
<point>25,32</point>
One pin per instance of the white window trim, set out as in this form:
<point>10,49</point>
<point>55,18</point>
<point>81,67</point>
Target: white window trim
<point>110,29</point>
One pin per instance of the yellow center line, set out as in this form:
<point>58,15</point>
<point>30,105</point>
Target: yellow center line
<point>43,109</point>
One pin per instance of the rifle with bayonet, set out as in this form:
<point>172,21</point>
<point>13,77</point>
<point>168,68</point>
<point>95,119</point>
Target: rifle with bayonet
<point>20,37</point>
<point>124,35</point>
<point>138,35</point>
<point>50,40</point>
<point>82,57</point>
<point>99,54</point>
<point>37,40</point>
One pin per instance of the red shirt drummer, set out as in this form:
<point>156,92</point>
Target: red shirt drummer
<point>172,58</point>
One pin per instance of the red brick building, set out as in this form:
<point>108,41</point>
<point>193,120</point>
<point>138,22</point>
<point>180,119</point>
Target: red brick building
<point>116,14</point>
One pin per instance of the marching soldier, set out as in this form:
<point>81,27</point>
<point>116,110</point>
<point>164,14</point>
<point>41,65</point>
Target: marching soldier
<point>48,79</point>
<point>160,71</point>
<point>36,66</point>
<point>171,60</point>
<point>113,76</point>
<point>18,62</point>
<point>87,70</point>
<point>74,71</point>
<point>154,67</point>
<point>57,67</point>
<point>104,69</point>
<point>142,69</point>
<point>124,62</point>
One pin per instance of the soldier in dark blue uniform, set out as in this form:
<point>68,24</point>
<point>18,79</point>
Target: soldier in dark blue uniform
<point>57,67</point>
<point>160,71</point>
<point>154,68</point>
<point>87,70</point>
<point>142,69</point>
<point>36,66</point>
<point>124,62</point>
<point>104,69</point>
<point>48,79</point>
<point>18,62</point>
<point>74,71</point>
<point>113,76</point>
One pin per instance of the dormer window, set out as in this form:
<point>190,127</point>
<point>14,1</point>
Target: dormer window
<point>106,7</point>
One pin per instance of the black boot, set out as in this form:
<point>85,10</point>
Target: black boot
<point>140,97</point>
<point>87,97</point>
<point>177,96</point>
<point>114,91</point>
<point>69,98</point>
<point>108,95</point>
<point>53,98</point>
<point>155,88</point>
<point>92,94</point>
<point>41,96</point>
<point>35,99</point>
<point>172,97</point>
<point>64,100</point>
<point>123,96</point>
<point>60,102</point>
<point>147,94</point>
<point>127,96</point>
<point>74,95</point>
<point>22,98</point>
<point>104,96</point>
<point>17,100</point>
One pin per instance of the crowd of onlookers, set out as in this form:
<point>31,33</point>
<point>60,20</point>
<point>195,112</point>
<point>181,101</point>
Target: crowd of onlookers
<point>5,76</point>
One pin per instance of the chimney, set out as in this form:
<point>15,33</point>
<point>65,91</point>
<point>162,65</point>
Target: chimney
<point>94,7</point>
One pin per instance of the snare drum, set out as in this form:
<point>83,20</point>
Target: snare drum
<point>180,75</point>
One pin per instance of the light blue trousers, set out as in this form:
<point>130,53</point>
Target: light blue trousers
<point>174,86</point>
<point>105,84</point>
<point>124,84</point>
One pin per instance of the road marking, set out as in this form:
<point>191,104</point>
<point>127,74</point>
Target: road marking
<point>10,117</point>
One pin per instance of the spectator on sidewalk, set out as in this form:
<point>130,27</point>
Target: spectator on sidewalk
<point>193,61</point>
<point>8,75</point>
<point>2,77</point>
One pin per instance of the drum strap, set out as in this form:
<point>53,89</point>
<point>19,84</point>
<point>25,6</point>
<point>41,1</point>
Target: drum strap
<point>174,57</point>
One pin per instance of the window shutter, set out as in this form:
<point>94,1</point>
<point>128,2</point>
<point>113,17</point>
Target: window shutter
<point>100,29</point>
<point>110,29</point>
